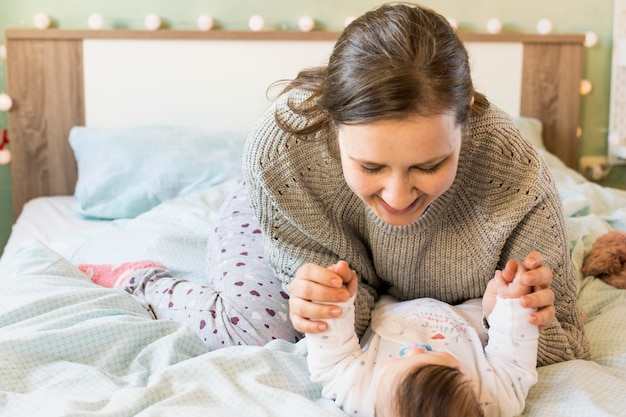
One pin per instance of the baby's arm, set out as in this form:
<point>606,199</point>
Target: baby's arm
<point>512,346</point>
<point>334,355</point>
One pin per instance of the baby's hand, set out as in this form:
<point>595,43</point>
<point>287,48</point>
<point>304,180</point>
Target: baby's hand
<point>515,289</point>
<point>350,280</point>
<point>499,287</point>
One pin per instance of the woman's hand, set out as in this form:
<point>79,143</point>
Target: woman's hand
<point>313,291</point>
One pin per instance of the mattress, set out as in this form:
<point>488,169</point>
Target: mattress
<point>48,219</point>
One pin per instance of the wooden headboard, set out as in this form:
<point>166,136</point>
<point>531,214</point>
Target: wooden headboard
<point>47,82</point>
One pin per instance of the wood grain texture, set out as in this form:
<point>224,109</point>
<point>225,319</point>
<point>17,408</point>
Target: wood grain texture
<point>551,79</point>
<point>65,34</point>
<point>45,81</point>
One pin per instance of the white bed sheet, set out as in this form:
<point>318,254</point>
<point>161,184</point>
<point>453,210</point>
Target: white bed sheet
<point>46,219</point>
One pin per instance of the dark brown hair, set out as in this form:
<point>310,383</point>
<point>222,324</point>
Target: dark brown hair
<point>436,391</point>
<point>395,61</point>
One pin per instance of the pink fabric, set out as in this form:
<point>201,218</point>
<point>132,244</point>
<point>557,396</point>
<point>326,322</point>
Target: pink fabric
<point>116,275</point>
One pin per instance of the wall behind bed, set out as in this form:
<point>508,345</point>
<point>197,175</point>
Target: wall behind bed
<point>567,16</point>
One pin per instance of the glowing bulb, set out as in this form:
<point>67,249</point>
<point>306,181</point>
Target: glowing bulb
<point>3,52</point>
<point>205,22</point>
<point>5,102</point>
<point>306,23</point>
<point>494,26</point>
<point>152,22</point>
<point>256,23</point>
<point>5,156</point>
<point>585,87</point>
<point>591,39</point>
<point>95,21</point>
<point>544,27</point>
<point>41,21</point>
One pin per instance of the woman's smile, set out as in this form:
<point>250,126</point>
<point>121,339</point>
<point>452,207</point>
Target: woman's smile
<point>399,212</point>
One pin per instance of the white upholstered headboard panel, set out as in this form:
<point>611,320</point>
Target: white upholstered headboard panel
<point>217,85</point>
<point>221,85</point>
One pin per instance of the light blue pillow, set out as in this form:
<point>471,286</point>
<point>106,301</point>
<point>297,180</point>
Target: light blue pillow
<point>123,172</point>
<point>532,129</point>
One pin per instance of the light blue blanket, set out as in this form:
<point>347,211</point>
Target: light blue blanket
<point>71,348</point>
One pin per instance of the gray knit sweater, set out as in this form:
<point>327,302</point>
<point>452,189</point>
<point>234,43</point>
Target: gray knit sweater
<point>502,205</point>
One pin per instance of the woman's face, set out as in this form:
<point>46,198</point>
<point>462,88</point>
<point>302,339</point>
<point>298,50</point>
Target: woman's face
<point>399,167</point>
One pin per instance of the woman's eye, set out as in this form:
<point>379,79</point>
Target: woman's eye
<point>430,170</point>
<point>370,170</point>
<point>425,170</point>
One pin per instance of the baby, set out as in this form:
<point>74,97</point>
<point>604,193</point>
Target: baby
<point>425,357</point>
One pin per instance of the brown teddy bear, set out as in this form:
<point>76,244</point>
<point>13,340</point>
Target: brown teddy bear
<point>607,259</point>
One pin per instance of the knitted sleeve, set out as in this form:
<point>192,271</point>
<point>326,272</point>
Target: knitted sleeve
<point>542,229</point>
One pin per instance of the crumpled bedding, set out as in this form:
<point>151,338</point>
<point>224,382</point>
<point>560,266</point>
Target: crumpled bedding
<point>71,348</point>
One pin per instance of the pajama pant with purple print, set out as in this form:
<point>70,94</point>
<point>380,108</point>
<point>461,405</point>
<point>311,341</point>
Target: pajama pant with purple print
<point>243,303</point>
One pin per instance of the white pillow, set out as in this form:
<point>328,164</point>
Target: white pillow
<point>123,172</point>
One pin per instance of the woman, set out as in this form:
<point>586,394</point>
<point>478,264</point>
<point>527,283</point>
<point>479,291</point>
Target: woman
<point>388,159</point>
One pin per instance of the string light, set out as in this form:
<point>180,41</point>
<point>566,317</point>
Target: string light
<point>95,21</point>
<point>205,22</point>
<point>41,21</point>
<point>585,87</point>
<point>256,23</point>
<point>591,39</point>
<point>544,27</point>
<point>5,102</point>
<point>306,23</point>
<point>152,22</point>
<point>494,26</point>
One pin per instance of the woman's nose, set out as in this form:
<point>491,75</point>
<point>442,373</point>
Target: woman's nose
<point>399,192</point>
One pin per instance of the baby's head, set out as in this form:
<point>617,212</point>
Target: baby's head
<point>423,383</point>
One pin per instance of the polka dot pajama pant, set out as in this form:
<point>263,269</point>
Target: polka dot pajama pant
<point>243,302</point>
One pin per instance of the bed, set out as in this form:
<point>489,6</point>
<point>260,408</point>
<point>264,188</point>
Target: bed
<point>91,104</point>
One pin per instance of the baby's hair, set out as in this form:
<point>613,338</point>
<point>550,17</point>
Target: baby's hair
<point>436,391</point>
